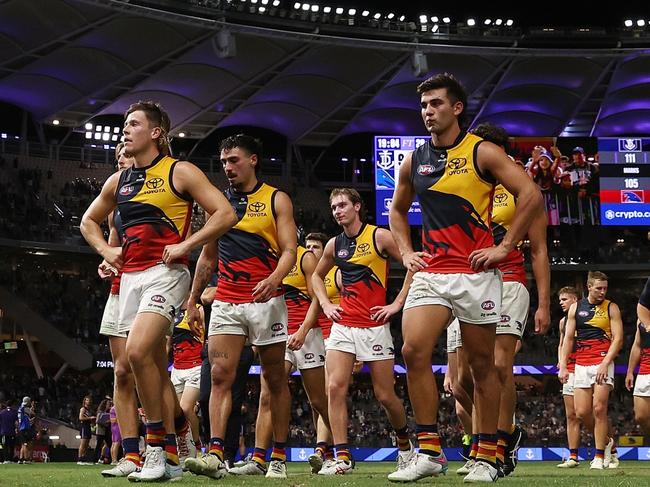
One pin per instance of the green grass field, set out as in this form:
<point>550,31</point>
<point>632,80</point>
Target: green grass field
<point>369,474</point>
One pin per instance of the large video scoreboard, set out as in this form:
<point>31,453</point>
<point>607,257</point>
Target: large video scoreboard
<point>624,181</point>
<point>389,153</point>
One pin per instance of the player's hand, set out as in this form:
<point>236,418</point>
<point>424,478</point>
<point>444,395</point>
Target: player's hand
<point>629,381</point>
<point>357,366</point>
<point>447,386</point>
<point>483,259</point>
<point>563,375</point>
<point>113,257</point>
<point>381,314</point>
<point>172,253</point>
<point>542,320</point>
<point>265,289</point>
<point>332,311</point>
<point>106,271</point>
<point>297,340</point>
<point>195,320</point>
<point>601,374</point>
<point>414,261</point>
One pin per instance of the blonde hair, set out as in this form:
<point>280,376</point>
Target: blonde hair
<point>594,276</point>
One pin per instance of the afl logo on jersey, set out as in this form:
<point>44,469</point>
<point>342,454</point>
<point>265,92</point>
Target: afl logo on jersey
<point>126,190</point>
<point>377,348</point>
<point>500,198</point>
<point>277,326</point>
<point>487,305</point>
<point>583,313</point>
<point>343,253</point>
<point>425,169</point>
<point>155,183</point>
<point>257,207</point>
<point>157,298</point>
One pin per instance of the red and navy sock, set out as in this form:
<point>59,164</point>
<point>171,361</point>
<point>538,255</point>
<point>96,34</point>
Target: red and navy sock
<point>502,442</point>
<point>600,454</point>
<point>573,454</point>
<point>171,449</point>
<point>428,439</point>
<point>329,452</point>
<point>181,425</point>
<point>156,434</point>
<point>131,447</point>
<point>474,450</point>
<point>259,456</point>
<point>487,448</point>
<point>279,451</point>
<point>321,448</point>
<point>216,448</point>
<point>343,452</point>
<point>403,440</point>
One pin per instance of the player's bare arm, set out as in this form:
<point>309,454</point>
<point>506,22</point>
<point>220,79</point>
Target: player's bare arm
<point>616,326</point>
<point>398,220</point>
<point>492,159</point>
<point>97,212</point>
<point>567,345</point>
<point>190,180</point>
<point>297,340</point>
<point>287,240</point>
<point>326,262</point>
<point>205,266</point>
<point>633,363</point>
<point>541,271</point>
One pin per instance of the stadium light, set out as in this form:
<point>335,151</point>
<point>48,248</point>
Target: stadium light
<point>365,13</point>
<point>471,22</point>
<point>88,126</point>
<point>402,18</point>
<point>434,19</point>
<point>56,121</point>
<point>352,11</point>
<point>114,138</point>
<point>327,9</point>
<point>253,1</point>
<point>89,135</point>
<point>306,7</point>
<point>390,16</point>
<point>510,22</point>
<point>446,20</point>
<point>423,19</point>
<point>498,21</point>
<point>487,21</point>
<point>315,8</point>
<point>435,28</point>
<point>276,3</point>
<point>297,6</point>
<point>344,159</point>
<point>181,134</point>
<point>377,16</point>
<point>339,10</point>
<point>98,128</point>
<point>261,10</point>
<point>265,2</point>
<point>640,23</point>
<point>116,130</point>
<point>628,23</point>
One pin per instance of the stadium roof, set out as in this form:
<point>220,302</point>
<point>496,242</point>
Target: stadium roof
<point>73,60</point>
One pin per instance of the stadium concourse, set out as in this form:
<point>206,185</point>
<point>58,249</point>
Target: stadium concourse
<point>101,102</point>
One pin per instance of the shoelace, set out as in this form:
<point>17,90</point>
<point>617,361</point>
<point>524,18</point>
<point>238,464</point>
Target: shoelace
<point>183,448</point>
<point>153,458</point>
<point>276,467</point>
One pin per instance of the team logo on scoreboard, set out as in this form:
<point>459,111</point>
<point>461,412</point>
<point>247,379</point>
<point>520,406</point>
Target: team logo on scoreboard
<point>629,145</point>
<point>385,161</point>
<point>632,196</point>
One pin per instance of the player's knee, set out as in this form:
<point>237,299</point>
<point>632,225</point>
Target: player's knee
<point>221,377</point>
<point>504,369</point>
<point>319,405</point>
<point>641,417</point>
<point>384,396</point>
<point>123,374</point>
<point>336,389</point>
<point>600,410</point>
<point>138,357</point>
<point>414,357</point>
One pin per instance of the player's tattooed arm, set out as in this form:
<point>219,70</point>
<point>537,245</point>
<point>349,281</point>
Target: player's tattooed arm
<point>205,266</point>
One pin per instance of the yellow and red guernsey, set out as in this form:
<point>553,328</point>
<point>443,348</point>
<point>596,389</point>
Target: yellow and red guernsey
<point>296,294</point>
<point>334,295</point>
<point>364,272</point>
<point>456,203</point>
<point>594,333</point>
<point>187,344</point>
<point>248,252</point>
<point>153,213</point>
<point>503,213</point>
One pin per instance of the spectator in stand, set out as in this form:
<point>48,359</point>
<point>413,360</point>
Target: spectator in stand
<point>103,432</point>
<point>26,430</point>
<point>543,168</point>
<point>582,173</point>
<point>8,420</point>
